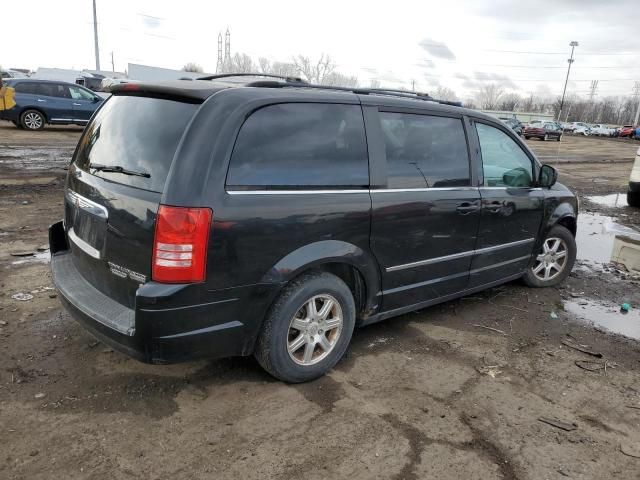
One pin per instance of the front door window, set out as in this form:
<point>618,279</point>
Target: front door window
<point>503,161</point>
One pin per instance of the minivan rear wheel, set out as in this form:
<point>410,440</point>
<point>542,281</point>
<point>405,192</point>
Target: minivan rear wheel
<point>32,120</point>
<point>553,263</point>
<point>308,329</point>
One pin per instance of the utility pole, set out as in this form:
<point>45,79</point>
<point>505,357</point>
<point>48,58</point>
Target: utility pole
<point>413,85</point>
<point>219,66</point>
<point>227,46</point>
<point>573,45</point>
<point>95,35</point>
<point>113,66</point>
<point>636,93</point>
<point>592,93</point>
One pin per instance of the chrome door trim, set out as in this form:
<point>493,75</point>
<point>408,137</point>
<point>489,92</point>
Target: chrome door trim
<point>434,189</point>
<point>87,205</point>
<point>84,246</point>
<point>293,192</point>
<point>500,264</point>
<point>456,256</point>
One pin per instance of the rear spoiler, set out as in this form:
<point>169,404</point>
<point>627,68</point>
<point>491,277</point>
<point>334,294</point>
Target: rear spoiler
<point>177,90</point>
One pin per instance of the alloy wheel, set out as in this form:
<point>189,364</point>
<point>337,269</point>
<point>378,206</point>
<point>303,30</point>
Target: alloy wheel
<point>33,120</point>
<point>552,260</point>
<point>314,330</point>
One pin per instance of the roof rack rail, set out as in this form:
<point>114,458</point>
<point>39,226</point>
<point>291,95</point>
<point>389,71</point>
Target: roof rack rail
<point>286,78</point>
<point>360,91</point>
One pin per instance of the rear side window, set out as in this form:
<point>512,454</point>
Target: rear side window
<point>301,144</point>
<point>425,151</point>
<point>26,87</point>
<point>138,134</point>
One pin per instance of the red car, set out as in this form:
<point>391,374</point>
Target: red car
<point>543,131</point>
<point>626,131</point>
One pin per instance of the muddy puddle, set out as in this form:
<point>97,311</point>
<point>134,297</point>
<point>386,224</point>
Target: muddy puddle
<point>607,316</point>
<point>36,158</point>
<point>613,200</point>
<point>601,240</point>
<point>37,257</point>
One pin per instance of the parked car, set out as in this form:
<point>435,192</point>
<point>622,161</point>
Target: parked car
<point>633,194</point>
<point>543,131</point>
<point>626,131</point>
<point>39,102</point>
<point>207,220</point>
<point>7,74</point>
<point>601,130</point>
<point>580,128</point>
<point>514,123</point>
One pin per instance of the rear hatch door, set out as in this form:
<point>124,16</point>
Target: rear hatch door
<point>114,187</point>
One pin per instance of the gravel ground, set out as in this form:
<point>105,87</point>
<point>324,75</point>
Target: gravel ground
<point>425,395</point>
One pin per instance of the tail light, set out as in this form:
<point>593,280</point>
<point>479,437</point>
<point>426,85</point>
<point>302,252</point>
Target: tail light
<point>180,244</point>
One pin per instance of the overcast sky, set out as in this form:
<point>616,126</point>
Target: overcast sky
<point>458,44</point>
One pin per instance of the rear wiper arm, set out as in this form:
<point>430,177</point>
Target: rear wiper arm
<point>118,169</point>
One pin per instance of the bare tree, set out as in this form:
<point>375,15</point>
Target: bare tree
<point>374,83</point>
<point>240,63</point>
<point>336,79</point>
<point>509,102</point>
<point>444,93</point>
<point>489,95</point>
<point>277,68</point>
<point>315,71</point>
<point>192,67</point>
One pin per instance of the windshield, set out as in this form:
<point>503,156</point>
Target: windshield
<point>137,134</point>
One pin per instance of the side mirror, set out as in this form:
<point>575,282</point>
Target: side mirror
<point>96,99</point>
<point>548,176</point>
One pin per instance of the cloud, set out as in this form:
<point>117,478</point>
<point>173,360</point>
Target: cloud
<point>150,21</point>
<point>436,49</point>
<point>483,78</point>
<point>426,63</point>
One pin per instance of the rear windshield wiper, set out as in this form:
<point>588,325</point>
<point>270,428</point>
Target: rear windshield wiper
<point>117,169</point>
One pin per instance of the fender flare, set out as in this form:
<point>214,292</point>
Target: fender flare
<point>561,211</point>
<point>325,252</point>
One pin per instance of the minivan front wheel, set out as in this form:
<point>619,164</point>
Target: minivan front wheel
<point>308,329</point>
<point>553,263</point>
<point>32,120</point>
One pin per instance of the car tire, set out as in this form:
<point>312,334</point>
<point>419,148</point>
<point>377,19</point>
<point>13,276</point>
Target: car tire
<point>542,273</point>
<point>559,138</point>
<point>545,138</point>
<point>32,120</point>
<point>633,199</point>
<point>297,344</point>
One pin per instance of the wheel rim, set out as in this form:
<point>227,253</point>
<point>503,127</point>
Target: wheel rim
<point>33,120</point>
<point>314,330</point>
<point>552,260</point>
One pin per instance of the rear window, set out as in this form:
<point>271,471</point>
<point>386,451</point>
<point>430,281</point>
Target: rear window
<point>301,145</point>
<point>138,134</point>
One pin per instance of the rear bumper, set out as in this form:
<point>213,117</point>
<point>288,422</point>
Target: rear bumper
<point>166,325</point>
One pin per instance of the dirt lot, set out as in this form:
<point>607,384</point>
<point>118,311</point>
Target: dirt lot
<point>426,395</point>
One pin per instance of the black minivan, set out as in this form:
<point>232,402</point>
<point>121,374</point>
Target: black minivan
<point>271,217</point>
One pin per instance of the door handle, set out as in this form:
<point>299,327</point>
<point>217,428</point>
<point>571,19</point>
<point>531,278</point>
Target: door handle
<point>40,100</point>
<point>466,208</point>
<point>78,104</point>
